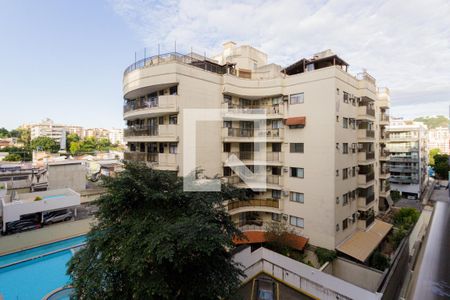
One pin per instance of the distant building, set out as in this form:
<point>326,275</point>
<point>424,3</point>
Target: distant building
<point>97,133</point>
<point>78,130</point>
<point>116,136</point>
<point>439,138</point>
<point>409,156</point>
<point>50,129</point>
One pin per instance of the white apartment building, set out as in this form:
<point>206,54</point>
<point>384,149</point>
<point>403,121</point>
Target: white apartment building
<point>322,138</point>
<point>116,136</point>
<point>409,157</point>
<point>50,129</point>
<point>439,138</point>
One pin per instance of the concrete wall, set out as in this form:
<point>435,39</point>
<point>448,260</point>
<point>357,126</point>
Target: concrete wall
<point>67,175</point>
<point>354,273</point>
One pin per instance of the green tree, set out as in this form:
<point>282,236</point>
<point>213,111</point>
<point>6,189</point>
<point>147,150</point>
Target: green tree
<point>406,216</point>
<point>25,153</point>
<point>72,137</point>
<point>14,133</point>
<point>25,136</point>
<point>74,148</point>
<point>45,144</point>
<point>103,144</point>
<point>379,261</point>
<point>4,133</point>
<point>155,241</point>
<point>434,122</point>
<point>441,166</point>
<point>12,157</point>
<point>432,154</point>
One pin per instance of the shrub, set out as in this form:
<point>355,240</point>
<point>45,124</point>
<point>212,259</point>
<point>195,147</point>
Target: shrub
<point>395,195</point>
<point>406,217</point>
<point>379,261</point>
<point>38,198</point>
<point>324,255</point>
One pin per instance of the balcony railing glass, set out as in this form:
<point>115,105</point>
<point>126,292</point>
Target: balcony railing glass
<point>145,130</point>
<point>254,202</point>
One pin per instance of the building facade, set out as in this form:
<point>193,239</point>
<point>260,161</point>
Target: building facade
<point>321,135</point>
<point>50,129</point>
<point>439,138</point>
<point>409,157</point>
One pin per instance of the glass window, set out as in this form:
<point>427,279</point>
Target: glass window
<point>226,147</point>
<point>344,224</point>
<point>345,199</point>
<point>296,147</point>
<point>297,98</point>
<point>227,124</point>
<point>345,148</point>
<point>297,197</point>
<point>346,97</point>
<point>345,122</point>
<point>276,217</point>
<point>226,171</point>
<point>296,221</point>
<point>173,119</point>
<point>173,148</point>
<point>173,90</point>
<point>297,172</point>
<point>276,194</point>
<point>276,147</point>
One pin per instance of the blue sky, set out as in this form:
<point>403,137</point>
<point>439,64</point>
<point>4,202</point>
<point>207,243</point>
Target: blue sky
<point>64,59</point>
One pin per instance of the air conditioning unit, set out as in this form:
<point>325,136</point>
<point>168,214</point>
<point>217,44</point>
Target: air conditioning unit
<point>285,169</point>
<point>285,193</point>
<point>284,216</point>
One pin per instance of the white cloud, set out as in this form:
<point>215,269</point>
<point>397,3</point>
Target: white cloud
<point>405,45</point>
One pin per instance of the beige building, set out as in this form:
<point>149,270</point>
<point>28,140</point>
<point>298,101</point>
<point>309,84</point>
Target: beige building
<point>439,138</point>
<point>322,136</point>
<point>50,129</point>
<point>409,157</point>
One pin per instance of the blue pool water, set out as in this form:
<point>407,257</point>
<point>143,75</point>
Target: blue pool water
<point>21,255</point>
<point>53,196</point>
<point>33,279</point>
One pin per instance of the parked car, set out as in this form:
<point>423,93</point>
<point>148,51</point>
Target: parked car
<point>57,216</point>
<point>21,225</point>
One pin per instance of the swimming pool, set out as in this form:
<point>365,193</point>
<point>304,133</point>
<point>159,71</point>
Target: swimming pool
<point>34,278</point>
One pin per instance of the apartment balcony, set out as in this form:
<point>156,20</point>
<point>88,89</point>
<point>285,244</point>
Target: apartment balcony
<point>403,158</point>
<point>365,157</point>
<point>394,149</point>
<point>384,172</point>
<point>159,161</point>
<point>403,169</point>
<point>365,219</point>
<point>402,137</point>
<point>384,119</point>
<point>272,181</point>
<point>403,179</point>
<point>255,158</point>
<point>385,155</point>
<point>365,180</point>
<point>152,133</point>
<point>135,156</point>
<point>239,112</point>
<point>251,134</point>
<point>365,202</point>
<point>151,107</point>
<point>385,189</point>
<point>366,113</point>
<point>366,134</point>
<point>259,205</point>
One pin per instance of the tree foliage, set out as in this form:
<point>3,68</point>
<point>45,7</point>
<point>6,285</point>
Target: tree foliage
<point>155,241</point>
<point>432,154</point>
<point>441,166</point>
<point>13,157</point>
<point>44,143</point>
<point>434,122</point>
<point>24,153</point>
<point>324,255</point>
<point>379,261</point>
<point>78,146</point>
<point>406,216</point>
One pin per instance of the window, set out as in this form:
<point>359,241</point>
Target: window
<point>276,194</point>
<point>345,122</point>
<point>353,171</point>
<point>173,90</point>
<point>296,147</point>
<point>345,199</point>
<point>337,200</point>
<point>276,171</point>
<point>337,173</point>
<point>344,173</point>
<point>276,217</point>
<point>226,147</point>
<point>297,98</point>
<point>161,121</point>
<point>346,97</point>
<point>354,147</point>
<point>297,172</point>
<point>352,123</point>
<point>354,218</point>
<point>173,119</point>
<point>226,171</point>
<point>353,194</point>
<point>297,197</point>
<point>276,147</point>
<point>344,224</point>
<point>132,147</point>
<point>227,99</point>
<point>345,148</point>
<point>227,124</point>
<point>298,222</point>
<point>173,148</point>
<point>277,124</point>
<point>337,119</point>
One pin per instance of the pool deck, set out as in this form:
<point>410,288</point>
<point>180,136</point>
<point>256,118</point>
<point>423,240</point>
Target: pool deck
<point>48,234</point>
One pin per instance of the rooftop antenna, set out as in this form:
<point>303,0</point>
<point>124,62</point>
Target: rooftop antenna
<point>175,46</point>
<point>158,52</point>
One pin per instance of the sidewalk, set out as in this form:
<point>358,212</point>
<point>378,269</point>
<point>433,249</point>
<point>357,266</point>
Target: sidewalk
<point>49,234</point>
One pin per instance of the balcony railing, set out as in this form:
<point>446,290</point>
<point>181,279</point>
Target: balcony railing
<point>134,156</point>
<point>384,118</point>
<point>251,155</point>
<point>140,104</point>
<point>145,130</point>
<point>257,109</point>
<point>250,132</point>
<point>366,110</point>
<point>270,179</point>
<point>363,155</point>
<point>254,202</point>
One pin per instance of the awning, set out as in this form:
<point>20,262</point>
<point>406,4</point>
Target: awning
<point>256,237</point>
<point>295,121</point>
<point>362,243</point>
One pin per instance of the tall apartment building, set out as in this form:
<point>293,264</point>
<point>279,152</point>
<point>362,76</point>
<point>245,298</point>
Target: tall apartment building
<point>116,136</point>
<point>321,130</point>
<point>409,157</point>
<point>439,138</point>
<point>50,129</point>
